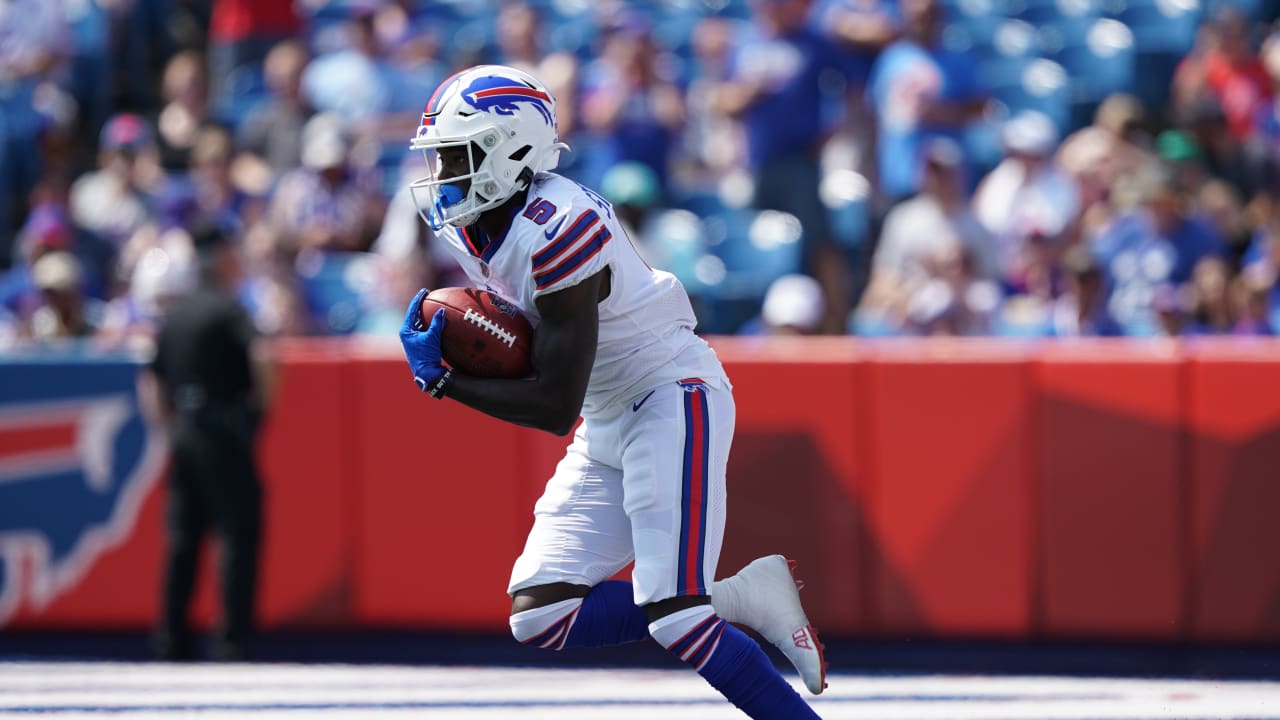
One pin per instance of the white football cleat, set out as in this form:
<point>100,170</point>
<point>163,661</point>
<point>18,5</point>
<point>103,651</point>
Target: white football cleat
<point>765,596</point>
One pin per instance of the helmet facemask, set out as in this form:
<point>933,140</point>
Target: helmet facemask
<point>441,201</point>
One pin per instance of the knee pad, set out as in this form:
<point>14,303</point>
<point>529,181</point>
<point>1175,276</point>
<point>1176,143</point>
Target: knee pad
<point>546,626</point>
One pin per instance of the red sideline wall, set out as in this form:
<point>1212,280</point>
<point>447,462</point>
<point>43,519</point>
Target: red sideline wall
<point>1106,490</point>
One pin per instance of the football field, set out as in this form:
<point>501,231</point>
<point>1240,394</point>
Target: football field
<point>327,692</point>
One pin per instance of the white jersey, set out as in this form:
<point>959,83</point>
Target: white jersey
<point>564,234</point>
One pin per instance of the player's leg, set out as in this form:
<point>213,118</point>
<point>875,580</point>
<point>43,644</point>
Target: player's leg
<point>581,536</point>
<point>765,597</point>
<point>676,453</point>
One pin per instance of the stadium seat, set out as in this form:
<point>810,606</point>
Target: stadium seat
<point>1251,8</point>
<point>1041,85</point>
<point>976,19</point>
<point>1162,25</point>
<point>334,285</point>
<point>673,241</point>
<point>1102,64</point>
<point>244,88</point>
<point>1014,44</point>
<point>753,248</point>
<point>846,195</point>
<point>1062,22</point>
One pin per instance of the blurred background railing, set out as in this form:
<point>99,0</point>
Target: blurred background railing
<point>1107,490</point>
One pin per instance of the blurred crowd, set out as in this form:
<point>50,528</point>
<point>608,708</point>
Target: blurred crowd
<point>874,167</point>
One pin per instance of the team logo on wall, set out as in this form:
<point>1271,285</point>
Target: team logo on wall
<point>76,463</point>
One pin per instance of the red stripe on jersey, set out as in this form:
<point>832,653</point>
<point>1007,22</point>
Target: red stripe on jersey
<point>585,252</point>
<point>576,230</point>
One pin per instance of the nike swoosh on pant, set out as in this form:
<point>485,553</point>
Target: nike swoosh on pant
<point>636,406</point>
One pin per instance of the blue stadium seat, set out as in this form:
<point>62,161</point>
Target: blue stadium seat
<point>673,241</point>
<point>1102,64</point>
<point>753,248</point>
<point>703,202</point>
<point>1250,8</point>
<point>1162,25</point>
<point>1013,45</point>
<point>245,87</point>
<point>334,285</point>
<point>1042,85</point>
<point>976,20</point>
<point>1062,22</point>
<point>846,195</point>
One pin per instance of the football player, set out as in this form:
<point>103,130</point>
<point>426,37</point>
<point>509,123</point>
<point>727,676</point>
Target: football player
<point>644,476</point>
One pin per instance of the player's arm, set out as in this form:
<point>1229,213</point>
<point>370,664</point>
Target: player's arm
<point>564,350</point>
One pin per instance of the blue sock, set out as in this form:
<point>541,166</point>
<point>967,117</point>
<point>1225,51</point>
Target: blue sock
<point>608,616</point>
<point>731,662</point>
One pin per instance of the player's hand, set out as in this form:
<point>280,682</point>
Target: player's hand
<point>422,348</point>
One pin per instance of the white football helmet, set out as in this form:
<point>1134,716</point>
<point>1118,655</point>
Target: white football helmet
<point>506,115</point>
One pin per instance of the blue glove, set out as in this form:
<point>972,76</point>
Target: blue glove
<point>422,349</point>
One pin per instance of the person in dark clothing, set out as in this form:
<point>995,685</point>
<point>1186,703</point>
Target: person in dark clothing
<point>207,387</point>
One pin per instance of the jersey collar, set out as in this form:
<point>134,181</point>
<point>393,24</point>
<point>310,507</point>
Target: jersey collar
<point>480,245</point>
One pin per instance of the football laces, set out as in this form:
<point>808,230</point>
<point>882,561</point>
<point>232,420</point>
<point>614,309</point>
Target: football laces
<point>491,327</point>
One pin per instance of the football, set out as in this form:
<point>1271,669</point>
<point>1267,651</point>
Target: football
<point>484,335</point>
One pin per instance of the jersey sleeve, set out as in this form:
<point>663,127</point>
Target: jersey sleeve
<point>576,250</point>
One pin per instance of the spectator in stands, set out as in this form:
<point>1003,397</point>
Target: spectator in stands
<point>1209,297</point>
<point>1185,158</point>
<point>184,91</point>
<point>47,230</point>
<point>1252,293</point>
<point>163,273</point>
<point>776,91</point>
<point>273,129</point>
<point>414,64</point>
<point>793,305</point>
<point>112,201</point>
<point>633,111</point>
<point>35,42</point>
<point>520,45</point>
<point>634,191</point>
<point>241,33</point>
<point>1172,307</point>
<point>1264,145</point>
<point>409,255</point>
<point>1224,69</point>
<point>919,235</point>
<point>1113,147</point>
<point>713,142</point>
<point>1081,309</point>
<point>1027,195</point>
<point>918,90</point>
<point>863,28</point>
<point>1223,208</point>
<point>1221,153</point>
<point>270,289</point>
<point>227,191</point>
<point>65,312</point>
<point>323,205</point>
<point>1161,241</point>
<point>354,82</point>
<point>951,302</point>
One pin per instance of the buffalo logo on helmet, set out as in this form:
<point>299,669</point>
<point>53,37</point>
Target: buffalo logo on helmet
<point>501,95</point>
